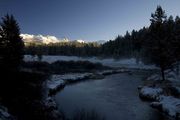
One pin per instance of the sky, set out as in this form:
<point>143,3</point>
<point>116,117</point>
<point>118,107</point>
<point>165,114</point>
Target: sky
<point>89,20</point>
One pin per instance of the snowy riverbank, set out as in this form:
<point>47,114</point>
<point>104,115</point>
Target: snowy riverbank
<point>57,82</point>
<point>165,95</point>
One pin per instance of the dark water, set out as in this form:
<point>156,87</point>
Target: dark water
<point>115,97</point>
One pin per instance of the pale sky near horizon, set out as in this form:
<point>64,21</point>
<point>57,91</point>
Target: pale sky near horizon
<point>84,19</point>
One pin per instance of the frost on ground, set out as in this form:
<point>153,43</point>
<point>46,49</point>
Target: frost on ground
<point>170,75</point>
<point>127,63</point>
<point>163,99</point>
<point>155,77</point>
<point>75,76</point>
<point>169,105</point>
<point>55,83</point>
<point>150,93</point>
<point>108,72</point>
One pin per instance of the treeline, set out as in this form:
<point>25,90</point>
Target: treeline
<point>158,43</point>
<point>63,48</point>
<point>11,44</point>
<point>132,44</point>
<point>162,33</point>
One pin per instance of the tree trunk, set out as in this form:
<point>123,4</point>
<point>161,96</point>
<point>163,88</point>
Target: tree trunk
<point>163,74</point>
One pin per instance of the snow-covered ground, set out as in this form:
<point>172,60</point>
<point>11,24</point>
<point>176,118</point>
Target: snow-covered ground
<point>72,77</point>
<point>127,63</point>
<point>108,72</point>
<point>59,81</point>
<point>167,104</point>
<point>150,93</point>
<point>55,83</point>
<point>170,75</point>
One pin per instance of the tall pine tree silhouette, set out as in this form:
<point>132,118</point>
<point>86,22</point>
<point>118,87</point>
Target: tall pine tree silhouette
<point>11,44</point>
<point>160,43</point>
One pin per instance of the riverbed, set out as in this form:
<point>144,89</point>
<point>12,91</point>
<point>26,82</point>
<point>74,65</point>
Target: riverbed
<point>115,97</point>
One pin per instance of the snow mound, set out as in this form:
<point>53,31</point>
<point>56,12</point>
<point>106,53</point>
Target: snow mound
<point>150,93</point>
<point>171,75</point>
<point>169,105</point>
<point>55,82</point>
<point>75,76</point>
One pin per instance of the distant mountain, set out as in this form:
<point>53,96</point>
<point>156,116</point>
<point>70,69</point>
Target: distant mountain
<point>79,41</point>
<point>27,38</point>
<point>101,41</point>
<point>46,39</point>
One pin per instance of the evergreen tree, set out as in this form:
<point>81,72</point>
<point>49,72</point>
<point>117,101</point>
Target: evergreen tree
<point>159,44</point>
<point>11,44</point>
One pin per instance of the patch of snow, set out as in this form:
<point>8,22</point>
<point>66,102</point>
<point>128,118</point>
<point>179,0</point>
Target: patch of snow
<point>108,72</point>
<point>59,81</point>
<point>150,93</point>
<point>75,76</point>
<point>154,77</point>
<point>79,41</point>
<point>55,82</point>
<point>170,75</point>
<point>168,104</point>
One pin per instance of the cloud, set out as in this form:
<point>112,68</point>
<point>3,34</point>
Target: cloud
<point>27,38</point>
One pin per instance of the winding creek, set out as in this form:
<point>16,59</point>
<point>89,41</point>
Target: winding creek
<point>115,97</point>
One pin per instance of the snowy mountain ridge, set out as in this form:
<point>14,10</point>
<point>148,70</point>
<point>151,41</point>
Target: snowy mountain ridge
<point>27,38</point>
<point>46,39</point>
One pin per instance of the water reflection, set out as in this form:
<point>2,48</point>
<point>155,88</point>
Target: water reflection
<point>115,97</point>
